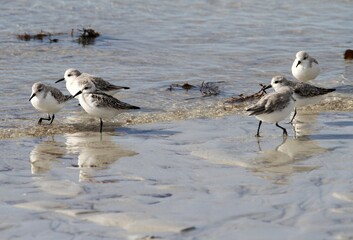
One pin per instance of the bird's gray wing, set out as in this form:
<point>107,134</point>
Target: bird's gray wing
<point>103,85</point>
<point>58,95</point>
<point>101,99</point>
<point>311,61</point>
<point>262,106</point>
<point>307,90</point>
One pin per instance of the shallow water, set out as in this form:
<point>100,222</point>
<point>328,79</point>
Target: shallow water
<point>193,179</point>
<point>184,166</point>
<point>149,46</point>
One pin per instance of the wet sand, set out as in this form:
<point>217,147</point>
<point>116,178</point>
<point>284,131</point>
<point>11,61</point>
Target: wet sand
<point>190,179</point>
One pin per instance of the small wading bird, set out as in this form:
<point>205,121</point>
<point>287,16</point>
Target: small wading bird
<point>303,93</point>
<point>304,67</point>
<point>273,107</point>
<point>47,99</point>
<point>74,79</point>
<point>100,104</point>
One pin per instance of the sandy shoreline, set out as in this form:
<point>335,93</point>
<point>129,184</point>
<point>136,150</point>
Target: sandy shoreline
<point>75,121</point>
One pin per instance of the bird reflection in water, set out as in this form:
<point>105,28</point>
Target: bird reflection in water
<point>44,154</point>
<point>279,163</point>
<point>95,151</point>
<point>288,157</point>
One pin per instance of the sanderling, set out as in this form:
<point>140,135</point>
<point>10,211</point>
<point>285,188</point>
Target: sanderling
<point>73,78</point>
<point>304,67</point>
<point>100,104</point>
<point>303,93</point>
<point>47,99</point>
<point>273,107</point>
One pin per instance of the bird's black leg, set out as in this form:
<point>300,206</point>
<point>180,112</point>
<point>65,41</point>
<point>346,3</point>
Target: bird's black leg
<point>295,114</point>
<point>101,126</point>
<point>41,119</point>
<point>52,119</point>
<point>284,130</point>
<point>258,129</point>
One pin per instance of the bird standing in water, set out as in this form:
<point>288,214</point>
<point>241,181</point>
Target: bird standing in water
<point>100,104</point>
<point>47,99</point>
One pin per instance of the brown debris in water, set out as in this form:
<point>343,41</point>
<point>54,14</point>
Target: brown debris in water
<point>38,36</point>
<point>207,89</point>
<point>24,37</point>
<point>85,37</point>
<point>177,86</point>
<point>188,229</point>
<point>348,54</point>
<point>89,33</point>
<point>244,98</point>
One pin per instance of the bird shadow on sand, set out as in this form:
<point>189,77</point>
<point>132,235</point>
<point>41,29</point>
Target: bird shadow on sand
<point>151,132</point>
<point>117,129</point>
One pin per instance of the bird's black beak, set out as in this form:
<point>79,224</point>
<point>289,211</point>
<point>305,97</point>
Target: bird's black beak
<point>33,95</point>
<point>263,89</point>
<point>60,80</point>
<point>299,62</point>
<point>78,93</point>
<point>267,87</point>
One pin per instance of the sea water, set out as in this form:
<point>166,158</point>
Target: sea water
<point>185,166</point>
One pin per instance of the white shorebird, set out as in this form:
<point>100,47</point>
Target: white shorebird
<point>100,104</point>
<point>273,107</point>
<point>304,67</point>
<point>74,78</point>
<point>303,93</point>
<point>47,99</point>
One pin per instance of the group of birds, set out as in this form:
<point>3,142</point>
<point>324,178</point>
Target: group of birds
<point>289,95</point>
<point>95,95</point>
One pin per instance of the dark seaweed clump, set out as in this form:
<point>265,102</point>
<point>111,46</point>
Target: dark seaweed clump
<point>42,35</point>
<point>206,89</point>
<point>209,89</point>
<point>177,86</point>
<point>243,98</point>
<point>85,36</point>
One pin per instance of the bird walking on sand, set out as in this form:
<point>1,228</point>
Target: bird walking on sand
<point>100,104</point>
<point>305,67</point>
<point>47,99</point>
<point>74,78</point>
<point>303,93</point>
<point>273,107</point>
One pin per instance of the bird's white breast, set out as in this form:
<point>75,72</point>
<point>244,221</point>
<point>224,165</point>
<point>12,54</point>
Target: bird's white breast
<point>48,104</point>
<point>303,72</point>
<point>73,86</point>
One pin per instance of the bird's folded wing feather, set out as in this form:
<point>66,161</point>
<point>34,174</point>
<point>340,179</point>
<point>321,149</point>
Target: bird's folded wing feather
<point>104,100</point>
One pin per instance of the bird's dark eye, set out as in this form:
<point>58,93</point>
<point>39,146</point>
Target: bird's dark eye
<point>39,90</point>
<point>69,75</point>
<point>305,58</point>
<point>276,81</point>
<point>86,88</point>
